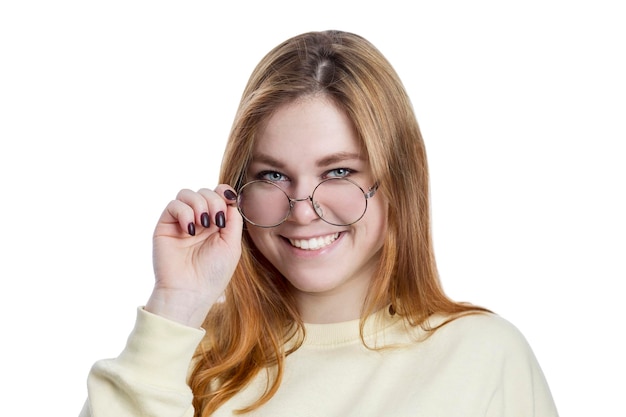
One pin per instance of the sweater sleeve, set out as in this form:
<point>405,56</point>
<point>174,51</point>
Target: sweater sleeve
<point>149,377</point>
<point>523,390</point>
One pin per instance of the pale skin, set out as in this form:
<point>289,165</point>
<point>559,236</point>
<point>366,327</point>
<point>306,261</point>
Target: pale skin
<point>191,272</point>
<point>301,144</point>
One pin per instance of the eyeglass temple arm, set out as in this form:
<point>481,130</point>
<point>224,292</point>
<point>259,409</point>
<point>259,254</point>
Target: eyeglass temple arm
<point>371,191</point>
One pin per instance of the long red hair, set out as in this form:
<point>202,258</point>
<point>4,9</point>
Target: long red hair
<point>247,333</point>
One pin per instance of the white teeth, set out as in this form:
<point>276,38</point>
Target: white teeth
<point>314,243</point>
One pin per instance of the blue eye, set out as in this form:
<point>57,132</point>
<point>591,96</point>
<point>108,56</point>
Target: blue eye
<point>271,176</point>
<point>339,172</point>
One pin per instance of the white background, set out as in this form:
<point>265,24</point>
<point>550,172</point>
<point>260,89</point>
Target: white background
<point>108,108</point>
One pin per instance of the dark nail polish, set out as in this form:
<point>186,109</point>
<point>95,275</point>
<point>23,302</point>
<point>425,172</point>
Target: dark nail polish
<point>230,195</point>
<point>220,220</point>
<point>204,219</point>
<point>191,228</point>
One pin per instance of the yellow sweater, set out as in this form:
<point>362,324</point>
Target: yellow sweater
<point>479,365</point>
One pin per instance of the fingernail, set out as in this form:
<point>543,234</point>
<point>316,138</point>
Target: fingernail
<point>220,220</point>
<point>191,228</point>
<point>230,195</point>
<point>204,219</point>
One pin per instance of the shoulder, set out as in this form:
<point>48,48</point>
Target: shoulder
<point>476,323</point>
<point>492,351</point>
<point>488,333</point>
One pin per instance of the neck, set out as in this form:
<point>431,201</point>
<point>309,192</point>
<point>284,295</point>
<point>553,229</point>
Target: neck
<point>324,308</point>
<point>324,312</point>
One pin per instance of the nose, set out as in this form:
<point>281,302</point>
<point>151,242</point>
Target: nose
<point>302,211</point>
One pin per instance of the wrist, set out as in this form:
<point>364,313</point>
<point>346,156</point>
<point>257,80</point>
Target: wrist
<point>183,307</point>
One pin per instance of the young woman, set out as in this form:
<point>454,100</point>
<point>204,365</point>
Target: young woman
<point>305,284</point>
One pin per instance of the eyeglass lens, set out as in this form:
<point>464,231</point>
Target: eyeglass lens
<point>337,201</point>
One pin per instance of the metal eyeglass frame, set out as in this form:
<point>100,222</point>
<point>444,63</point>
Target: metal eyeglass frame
<point>292,201</point>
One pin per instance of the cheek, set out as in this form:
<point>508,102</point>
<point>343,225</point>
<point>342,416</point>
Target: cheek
<point>379,211</point>
<point>371,231</point>
<point>379,220</point>
<point>260,238</point>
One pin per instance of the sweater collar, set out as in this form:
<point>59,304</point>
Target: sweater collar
<point>348,332</point>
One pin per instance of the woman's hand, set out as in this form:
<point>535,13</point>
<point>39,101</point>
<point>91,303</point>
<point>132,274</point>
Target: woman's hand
<point>196,247</point>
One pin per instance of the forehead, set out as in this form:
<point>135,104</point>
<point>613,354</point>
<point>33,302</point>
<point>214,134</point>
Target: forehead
<point>306,129</point>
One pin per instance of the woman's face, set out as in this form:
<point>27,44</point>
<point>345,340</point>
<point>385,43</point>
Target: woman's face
<point>329,267</point>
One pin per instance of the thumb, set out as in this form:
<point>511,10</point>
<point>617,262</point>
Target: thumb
<point>233,229</point>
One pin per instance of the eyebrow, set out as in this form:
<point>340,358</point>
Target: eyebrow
<point>323,162</point>
<point>338,157</point>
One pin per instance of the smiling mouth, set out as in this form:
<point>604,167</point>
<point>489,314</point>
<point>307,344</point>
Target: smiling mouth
<point>315,243</point>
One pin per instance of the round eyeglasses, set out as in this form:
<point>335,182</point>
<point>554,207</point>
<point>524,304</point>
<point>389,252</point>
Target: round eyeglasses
<point>337,201</point>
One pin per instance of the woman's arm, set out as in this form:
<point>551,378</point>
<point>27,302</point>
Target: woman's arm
<point>149,377</point>
<point>196,247</point>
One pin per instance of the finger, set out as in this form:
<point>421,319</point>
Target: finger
<point>199,204</point>
<point>204,203</point>
<point>217,201</point>
<point>232,231</point>
<point>227,192</point>
<point>180,213</point>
